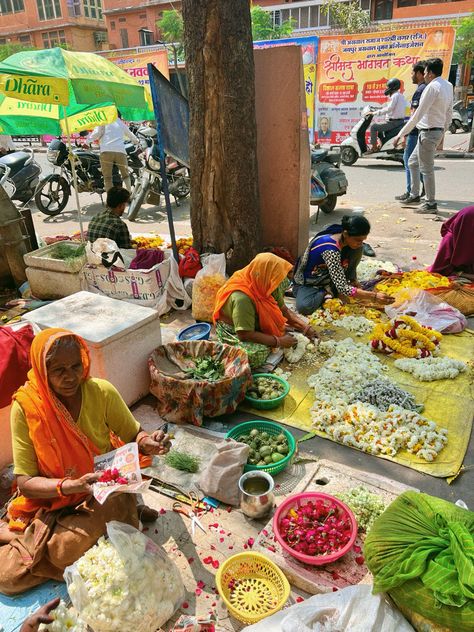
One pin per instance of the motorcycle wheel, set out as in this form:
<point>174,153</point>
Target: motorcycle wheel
<point>182,190</point>
<point>348,156</point>
<point>138,198</point>
<point>452,128</point>
<point>52,195</point>
<point>328,204</point>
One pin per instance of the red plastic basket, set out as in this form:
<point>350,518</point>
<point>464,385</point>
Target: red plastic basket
<point>299,500</point>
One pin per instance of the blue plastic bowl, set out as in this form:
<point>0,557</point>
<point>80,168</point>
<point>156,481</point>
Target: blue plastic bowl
<point>198,331</point>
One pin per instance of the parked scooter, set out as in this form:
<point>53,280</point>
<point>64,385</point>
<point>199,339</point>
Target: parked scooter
<point>149,185</point>
<point>54,190</point>
<point>355,145</point>
<point>20,174</point>
<point>328,181</point>
<point>460,120</point>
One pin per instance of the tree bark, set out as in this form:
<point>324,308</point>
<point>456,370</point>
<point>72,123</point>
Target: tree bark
<point>223,147</point>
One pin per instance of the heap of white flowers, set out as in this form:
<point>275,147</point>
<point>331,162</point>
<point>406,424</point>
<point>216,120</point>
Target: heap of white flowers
<point>357,324</point>
<point>65,620</point>
<point>131,590</point>
<point>430,369</point>
<point>368,268</point>
<point>364,426</point>
<point>351,367</point>
<point>294,354</point>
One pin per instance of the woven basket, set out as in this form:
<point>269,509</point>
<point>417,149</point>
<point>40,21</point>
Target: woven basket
<point>459,296</point>
<point>252,587</point>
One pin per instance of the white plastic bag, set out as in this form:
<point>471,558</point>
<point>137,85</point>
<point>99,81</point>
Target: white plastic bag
<point>429,311</point>
<point>126,583</point>
<point>352,609</point>
<point>105,252</point>
<point>207,283</point>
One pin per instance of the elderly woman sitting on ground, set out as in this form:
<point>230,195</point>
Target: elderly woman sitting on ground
<point>61,419</point>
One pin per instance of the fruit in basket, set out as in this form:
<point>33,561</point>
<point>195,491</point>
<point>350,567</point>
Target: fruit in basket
<point>316,528</point>
<point>265,449</point>
<point>266,388</point>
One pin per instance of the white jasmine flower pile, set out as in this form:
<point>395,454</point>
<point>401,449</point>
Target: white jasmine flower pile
<point>64,621</point>
<point>294,354</point>
<point>131,588</point>
<point>368,268</point>
<point>350,369</point>
<point>430,369</point>
<point>365,505</point>
<point>357,324</point>
<point>283,374</point>
<point>364,426</point>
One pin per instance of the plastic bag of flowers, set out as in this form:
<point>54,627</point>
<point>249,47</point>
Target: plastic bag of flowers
<point>420,551</point>
<point>125,583</point>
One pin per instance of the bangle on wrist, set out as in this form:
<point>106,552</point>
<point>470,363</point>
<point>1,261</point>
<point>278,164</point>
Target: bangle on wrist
<point>59,487</point>
<point>277,342</point>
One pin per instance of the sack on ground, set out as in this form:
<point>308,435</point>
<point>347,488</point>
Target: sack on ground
<point>220,479</point>
<point>207,283</point>
<point>420,551</point>
<point>125,583</point>
<point>429,311</point>
<point>352,609</point>
<point>160,287</point>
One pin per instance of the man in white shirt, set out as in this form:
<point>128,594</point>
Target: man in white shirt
<point>432,118</point>
<point>394,111</point>
<point>112,150</point>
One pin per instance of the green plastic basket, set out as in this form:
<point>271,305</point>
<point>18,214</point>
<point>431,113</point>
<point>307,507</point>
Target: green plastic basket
<point>268,404</point>
<point>272,429</point>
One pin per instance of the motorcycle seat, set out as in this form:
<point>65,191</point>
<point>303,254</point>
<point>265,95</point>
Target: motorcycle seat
<point>86,154</point>
<point>16,160</point>
<point>318,155</point>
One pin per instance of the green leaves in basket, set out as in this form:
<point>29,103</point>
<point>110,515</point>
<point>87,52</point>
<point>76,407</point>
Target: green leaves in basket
<point>206,368</point>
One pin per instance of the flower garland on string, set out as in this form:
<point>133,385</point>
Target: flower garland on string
<point>406,337</point>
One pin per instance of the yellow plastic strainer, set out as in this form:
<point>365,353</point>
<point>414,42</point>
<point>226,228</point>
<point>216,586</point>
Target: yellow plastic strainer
<point>252,587</point>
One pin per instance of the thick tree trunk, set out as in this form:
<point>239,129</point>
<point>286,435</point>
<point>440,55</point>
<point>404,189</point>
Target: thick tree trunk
<point>224,183</point>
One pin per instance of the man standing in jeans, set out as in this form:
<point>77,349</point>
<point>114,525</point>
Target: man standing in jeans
<point>112,150</point>
<point>432,118</point>
<point>418,78</point>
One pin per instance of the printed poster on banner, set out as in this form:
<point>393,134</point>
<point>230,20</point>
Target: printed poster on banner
<point>309,51</point>
<point>353,70</point>
<point>136,64</point>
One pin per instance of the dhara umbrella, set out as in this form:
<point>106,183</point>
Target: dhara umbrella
<point>60,77</point>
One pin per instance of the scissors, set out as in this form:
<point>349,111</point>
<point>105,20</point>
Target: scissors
<point>190,513</point>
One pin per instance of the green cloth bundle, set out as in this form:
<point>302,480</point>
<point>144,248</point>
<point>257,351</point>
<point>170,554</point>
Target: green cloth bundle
<point>421,551</point>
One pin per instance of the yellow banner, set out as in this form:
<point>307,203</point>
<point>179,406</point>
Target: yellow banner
<point>38,89</point>
<point>353,70</point>
<point>136,64</point>
<point>90,119</point>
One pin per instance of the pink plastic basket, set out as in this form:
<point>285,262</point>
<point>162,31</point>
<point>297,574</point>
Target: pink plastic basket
<point>299,500</point>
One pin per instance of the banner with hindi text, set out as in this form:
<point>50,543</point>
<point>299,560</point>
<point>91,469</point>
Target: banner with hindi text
<point>352,72</point>
<point>136,64</point>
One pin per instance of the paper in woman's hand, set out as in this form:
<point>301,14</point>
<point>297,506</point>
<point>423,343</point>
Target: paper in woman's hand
<point>120,473</point>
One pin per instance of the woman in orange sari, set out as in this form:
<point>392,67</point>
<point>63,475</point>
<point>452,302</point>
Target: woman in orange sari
<point>61,419</point>
<point>250,310</point>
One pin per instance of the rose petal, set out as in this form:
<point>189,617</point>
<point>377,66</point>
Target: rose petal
<point>185,605</point>
<point>360,560</point>
<point>198,592</point>
<point>207,560</point>
<point>200,584</point>
<point>190,560</point>
<point>299,599</point>
<point>215,563</point>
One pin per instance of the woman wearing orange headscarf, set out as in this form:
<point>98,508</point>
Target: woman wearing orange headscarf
<point>250,310</point>
<point>61,419</point>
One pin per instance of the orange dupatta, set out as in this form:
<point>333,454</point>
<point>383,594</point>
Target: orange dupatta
<point>258,280</point>
<point>61,448</point>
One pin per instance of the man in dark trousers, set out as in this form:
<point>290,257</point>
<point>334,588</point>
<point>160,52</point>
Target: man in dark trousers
<point>108,223</point>
<point>418,78</point>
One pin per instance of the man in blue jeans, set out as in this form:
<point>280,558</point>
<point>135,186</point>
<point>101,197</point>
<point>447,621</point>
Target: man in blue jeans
<point>418,78</point>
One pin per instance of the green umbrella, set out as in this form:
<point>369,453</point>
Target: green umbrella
<point>64,78</point>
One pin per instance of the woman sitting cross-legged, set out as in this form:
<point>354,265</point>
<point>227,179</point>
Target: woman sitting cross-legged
<point>61,419</point>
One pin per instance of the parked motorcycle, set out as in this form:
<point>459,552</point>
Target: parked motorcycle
<point>355,145</point>
<point>149,185</point>
<point>20,174</point>
<point>54,191</point>
<point>328,181</point>
<point>460,120</point>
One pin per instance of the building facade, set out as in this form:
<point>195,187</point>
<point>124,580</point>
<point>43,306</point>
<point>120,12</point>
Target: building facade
<point>132,23</point>
<point>47,23</point>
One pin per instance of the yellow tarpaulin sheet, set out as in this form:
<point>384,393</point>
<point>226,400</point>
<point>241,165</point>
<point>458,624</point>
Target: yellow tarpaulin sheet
<point>450,403</point>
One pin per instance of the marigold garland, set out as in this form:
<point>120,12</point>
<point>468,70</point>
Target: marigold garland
<point>406,337</point>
